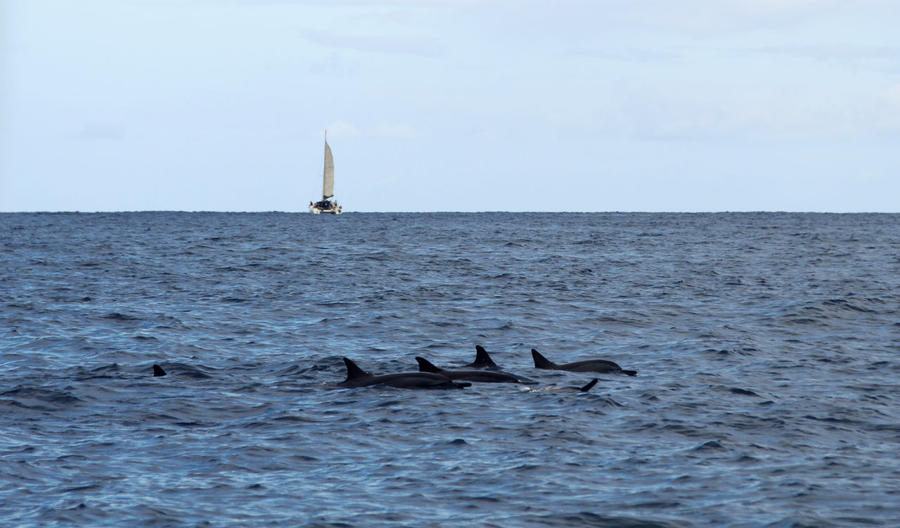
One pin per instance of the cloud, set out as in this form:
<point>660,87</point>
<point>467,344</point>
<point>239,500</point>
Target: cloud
<point>628,54</point>
<point>591,18</point>
<point>731,15</point>
<point>98,131</point>
<point>833,52</point>
<point>395,130</point>
<point>406,45</point>
<point>761,116</point>
<point>886,110</point>
<point>891,95</point>
<point>341,129</point>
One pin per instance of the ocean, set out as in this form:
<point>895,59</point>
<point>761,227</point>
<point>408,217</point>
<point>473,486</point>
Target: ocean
<point>766,346</point>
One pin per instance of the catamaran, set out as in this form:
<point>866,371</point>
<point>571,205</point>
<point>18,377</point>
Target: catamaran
<point>325,205</point>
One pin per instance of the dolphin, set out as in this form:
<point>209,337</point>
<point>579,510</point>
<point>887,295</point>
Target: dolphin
<point>482,360</point>
<point>486,376</point>
<point>357,377</point>
<point>590,365</point>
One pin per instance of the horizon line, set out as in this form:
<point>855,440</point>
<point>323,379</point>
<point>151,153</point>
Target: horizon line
<point>208,211</point>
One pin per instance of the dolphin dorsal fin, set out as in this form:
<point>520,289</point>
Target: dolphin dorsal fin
<point>589,386</point>
<point>482,359</point>
<point>540,361</point>
<point>426,366</point>
<point>353,371</point>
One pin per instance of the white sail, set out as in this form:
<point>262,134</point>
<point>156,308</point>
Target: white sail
<point>328,174</point>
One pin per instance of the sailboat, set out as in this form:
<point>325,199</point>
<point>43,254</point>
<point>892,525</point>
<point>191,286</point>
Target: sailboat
<point>325,205</point>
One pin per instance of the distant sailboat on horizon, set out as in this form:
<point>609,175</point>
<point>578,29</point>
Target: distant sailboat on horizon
<point>325,205</point>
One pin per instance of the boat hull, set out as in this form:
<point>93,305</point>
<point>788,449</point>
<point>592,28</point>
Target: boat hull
<point>319,210</point>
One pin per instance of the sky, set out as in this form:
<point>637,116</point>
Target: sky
<point>450,105</point>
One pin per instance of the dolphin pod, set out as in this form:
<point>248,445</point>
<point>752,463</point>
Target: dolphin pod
<point>590,365</point>
<point>483,370</point>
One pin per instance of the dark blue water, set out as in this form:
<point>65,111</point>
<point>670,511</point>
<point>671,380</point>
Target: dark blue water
<point>767,348</point>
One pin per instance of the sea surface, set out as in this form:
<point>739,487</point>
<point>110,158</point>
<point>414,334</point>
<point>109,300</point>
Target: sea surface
<point>767,347</point>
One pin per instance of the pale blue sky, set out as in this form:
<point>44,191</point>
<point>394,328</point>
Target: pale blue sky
<point>450,105</point>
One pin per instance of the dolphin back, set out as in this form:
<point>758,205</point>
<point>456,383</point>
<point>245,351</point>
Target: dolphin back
<point>482,359</point>
<point>540,361</point>
<point>427,366</point>
<point>353,371</point>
